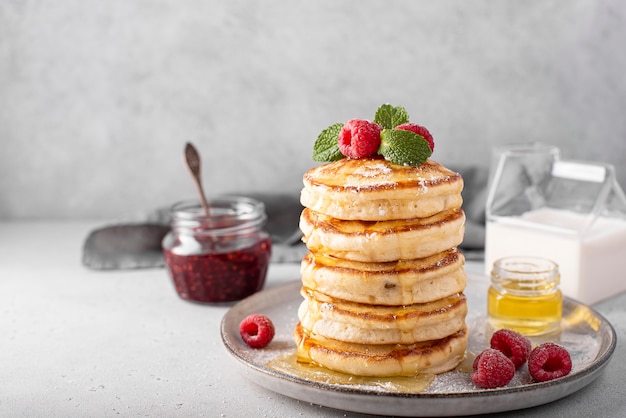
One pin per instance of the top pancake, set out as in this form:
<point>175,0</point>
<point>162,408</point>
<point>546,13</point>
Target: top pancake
<point>374,189</point>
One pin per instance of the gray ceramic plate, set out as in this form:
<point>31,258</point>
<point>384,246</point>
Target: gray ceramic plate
<point>587,335</point>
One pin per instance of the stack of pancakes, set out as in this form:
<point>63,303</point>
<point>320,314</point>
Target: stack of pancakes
<point>383,280</point>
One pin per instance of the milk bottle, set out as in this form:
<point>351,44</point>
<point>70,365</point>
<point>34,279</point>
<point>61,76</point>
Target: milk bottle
<point>571,212</point>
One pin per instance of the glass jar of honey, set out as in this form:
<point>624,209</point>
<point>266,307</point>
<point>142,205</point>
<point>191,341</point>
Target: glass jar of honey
<point>524,295</point>
<point>221,255</point>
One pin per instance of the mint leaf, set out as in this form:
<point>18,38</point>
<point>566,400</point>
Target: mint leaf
<point>389,117</point>
<point>326,148</point>
<point>403,147</point>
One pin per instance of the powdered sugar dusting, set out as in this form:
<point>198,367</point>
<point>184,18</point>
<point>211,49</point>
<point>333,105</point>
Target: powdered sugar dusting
<point>423,185</point>
<point>373,170</point>
<point>379,172</point>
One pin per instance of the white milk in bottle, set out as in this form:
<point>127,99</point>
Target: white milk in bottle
<point>570,212</point>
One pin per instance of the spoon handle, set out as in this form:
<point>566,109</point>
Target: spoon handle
<point>192,160</point>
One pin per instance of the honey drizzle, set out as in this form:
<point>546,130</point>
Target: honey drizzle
<point>289,364</point>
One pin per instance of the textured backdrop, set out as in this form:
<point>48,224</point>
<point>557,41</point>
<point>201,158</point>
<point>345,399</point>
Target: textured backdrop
<point>97,98</point>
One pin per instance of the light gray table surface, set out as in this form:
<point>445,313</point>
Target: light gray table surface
<point>77,342</point>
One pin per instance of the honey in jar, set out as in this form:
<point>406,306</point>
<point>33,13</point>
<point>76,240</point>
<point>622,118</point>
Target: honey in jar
<point>524,296</point>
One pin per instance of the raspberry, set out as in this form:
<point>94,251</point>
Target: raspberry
<point>420,130</point>
<point>512,344</point>
<point>492,369</point>
<point>256,330</point>
<point>549,361</point>
<point>359,138</point>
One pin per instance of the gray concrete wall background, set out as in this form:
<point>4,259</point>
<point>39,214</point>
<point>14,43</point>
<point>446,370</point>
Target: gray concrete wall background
<point>97,98</point>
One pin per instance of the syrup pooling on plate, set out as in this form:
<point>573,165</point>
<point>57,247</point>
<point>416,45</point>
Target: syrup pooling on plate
<point>289,364</point>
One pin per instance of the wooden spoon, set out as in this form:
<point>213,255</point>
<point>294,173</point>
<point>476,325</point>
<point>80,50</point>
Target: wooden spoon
<point>192,160</point>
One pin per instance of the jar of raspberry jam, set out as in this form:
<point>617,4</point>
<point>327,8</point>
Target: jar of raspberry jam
<point>219,257</point>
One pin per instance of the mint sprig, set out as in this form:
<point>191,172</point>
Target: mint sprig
<point>326,147</point>
<point>403,147</point>
<point>389,117</point>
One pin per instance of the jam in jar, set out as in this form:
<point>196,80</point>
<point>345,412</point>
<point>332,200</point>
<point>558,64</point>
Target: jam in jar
<point>219,256</point>
<point>524,295</point>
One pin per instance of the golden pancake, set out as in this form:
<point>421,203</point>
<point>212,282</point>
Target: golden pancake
<point>383,282</point>
<point>402,282</point>
<point>374,189</point>
<point>376,324</point>
<point>437,356</point>
<point>382,241</point>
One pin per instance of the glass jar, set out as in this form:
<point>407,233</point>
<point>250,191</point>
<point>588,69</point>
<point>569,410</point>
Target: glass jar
<point>524,295</point>
<point>221,256</point>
